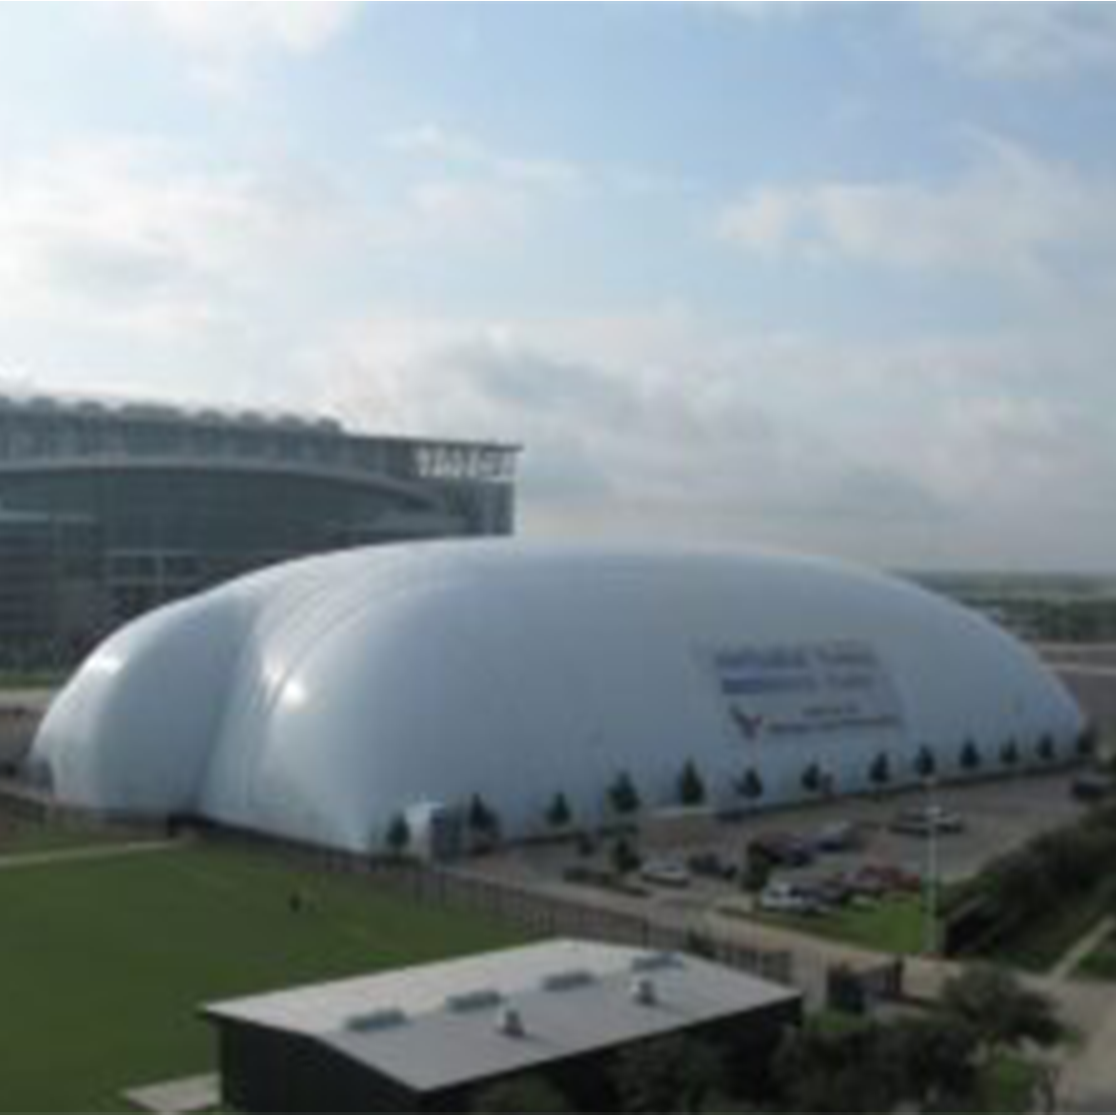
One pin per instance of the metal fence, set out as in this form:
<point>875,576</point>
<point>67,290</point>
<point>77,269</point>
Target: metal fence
<point>521,904</point>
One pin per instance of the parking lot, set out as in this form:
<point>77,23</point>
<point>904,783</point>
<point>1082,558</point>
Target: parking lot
<point>997,816</point>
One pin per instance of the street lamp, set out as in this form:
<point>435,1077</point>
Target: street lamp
<point>930,933</point>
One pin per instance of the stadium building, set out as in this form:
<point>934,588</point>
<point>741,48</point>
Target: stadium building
<point>107,511</point>
<point>320,699</point>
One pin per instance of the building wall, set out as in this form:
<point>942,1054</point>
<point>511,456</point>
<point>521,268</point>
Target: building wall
<point>176,501</point>
<point>265,1070</point>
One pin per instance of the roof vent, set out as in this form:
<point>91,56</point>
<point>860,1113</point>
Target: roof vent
<point>509,1022</point>
<point>467,1001</point>
<point>643,991</point>
<point>383,1019</point>
<point>568,980</point>
<point>654,962</point>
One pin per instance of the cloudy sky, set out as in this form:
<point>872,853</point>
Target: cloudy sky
<point>830,277</point>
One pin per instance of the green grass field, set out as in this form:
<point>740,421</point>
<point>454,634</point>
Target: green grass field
<point>102,963</point>
<point>895,924</point>
<point>1101,962</point>
<point>22,836</point>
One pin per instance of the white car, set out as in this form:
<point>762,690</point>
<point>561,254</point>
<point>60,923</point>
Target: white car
<point>782,897</point>
<point>666,873</point>
<point>925,819</point>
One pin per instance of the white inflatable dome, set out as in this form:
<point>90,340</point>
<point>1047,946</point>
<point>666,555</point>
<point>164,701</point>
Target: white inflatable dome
<point>318,699</point>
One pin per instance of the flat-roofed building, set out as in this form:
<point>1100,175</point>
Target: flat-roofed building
<point>428,1037</point>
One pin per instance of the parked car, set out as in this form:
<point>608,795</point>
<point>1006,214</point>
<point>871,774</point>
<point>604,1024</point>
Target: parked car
<point>782,897</point>
<point>841,836</point>
<point>832,891</point>
<point>665,873</point>
<point>1093,786</point>
<point>874,880</point>
<point>710,865</point>
<point>784,849</point>
<point>925,819</point>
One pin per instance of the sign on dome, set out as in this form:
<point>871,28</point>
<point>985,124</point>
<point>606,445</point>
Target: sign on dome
<point>791,691</point>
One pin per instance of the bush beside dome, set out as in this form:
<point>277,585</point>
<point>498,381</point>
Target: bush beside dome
<point>319,699</point>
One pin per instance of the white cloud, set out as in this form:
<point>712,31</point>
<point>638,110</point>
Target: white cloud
<point>1021,40</point>
<point>223,39</point>
<point>658,425</point>
<point>1010,214</point>
<point>433,142</point>
<point>118,231</point>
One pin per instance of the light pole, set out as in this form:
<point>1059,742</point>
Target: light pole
<point>930,935</point>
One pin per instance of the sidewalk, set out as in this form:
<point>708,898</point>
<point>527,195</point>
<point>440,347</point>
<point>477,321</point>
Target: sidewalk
<point>89,852</point>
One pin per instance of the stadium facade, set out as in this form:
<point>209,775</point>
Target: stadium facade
<point>319,699</point>
<point>109,510</point>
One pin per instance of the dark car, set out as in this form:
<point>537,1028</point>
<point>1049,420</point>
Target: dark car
<point>874,880</point>
<point>841,836</point>
<point>783,849</point>
<point>1093,786</point>
<point>832,891</point>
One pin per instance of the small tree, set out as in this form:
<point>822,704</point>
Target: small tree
<point>667,1074</point>
<point>1086,744</point>
<point>879,773</point>
<point>1001,1013</point>
<point>482,821</point>
<point>812,779</point>
<point>558,812</point>
<point>691,787</point>
<point>750,785</point>
<point>398,835</point>
<point>969,757</point>
<point>926,762</point>
<point>623,795</point>
<point>1045,750</point>
<point>1009,754</point>
<point>527,1092</point>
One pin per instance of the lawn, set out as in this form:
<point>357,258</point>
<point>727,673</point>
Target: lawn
<point>22,835</point>
<point>103,963</point>
<point>894,924</point>
<point>1101,962</point>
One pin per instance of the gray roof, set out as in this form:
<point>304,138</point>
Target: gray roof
<point>438,1025</point>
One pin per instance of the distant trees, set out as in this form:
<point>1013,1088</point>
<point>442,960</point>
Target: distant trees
<point>813,779</point>
<point>750,785</point>
<point>1045,749</point>
<point>482,822</point>
<point>1009,754</point>
<point>1086,743</point>
<point>623,795</point>
<point>691,787</point>
<point>398,835</point>
<point>969,757</point>
<point>926,762</point>
<point>558,812</point>
<point>879,772</point>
